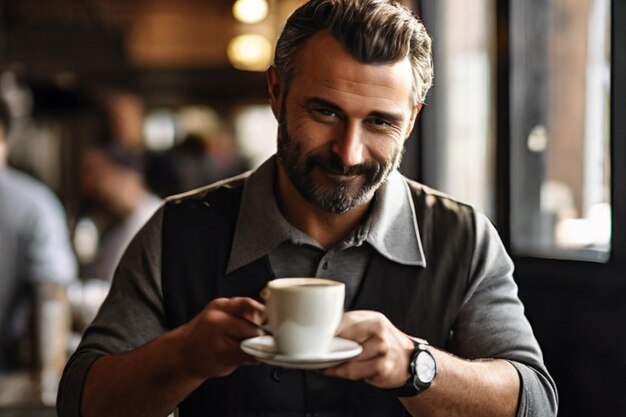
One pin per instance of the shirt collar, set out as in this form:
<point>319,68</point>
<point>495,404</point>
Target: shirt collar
<point>393,231</point>
<point>260,225</point>
<point>391,228</point>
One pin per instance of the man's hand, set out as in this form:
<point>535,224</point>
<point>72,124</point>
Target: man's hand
<point>163,372</point>
<point>462,387</point>
<point>211,339</point>
<point>384,362</point>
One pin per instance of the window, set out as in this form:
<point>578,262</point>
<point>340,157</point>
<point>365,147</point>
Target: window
<point>560,95</point>
<point>459,113</point>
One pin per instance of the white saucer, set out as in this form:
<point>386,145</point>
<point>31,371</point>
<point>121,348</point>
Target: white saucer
<point>264,349</point>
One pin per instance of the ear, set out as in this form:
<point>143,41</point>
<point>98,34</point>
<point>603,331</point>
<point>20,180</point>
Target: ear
<point>415,111</point>
<point>274,88</point>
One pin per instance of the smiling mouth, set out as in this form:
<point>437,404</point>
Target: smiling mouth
<point>332,168</point>
<point>338,176</point>
<point>341,176</point>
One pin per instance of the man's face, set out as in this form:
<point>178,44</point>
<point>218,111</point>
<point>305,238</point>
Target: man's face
<point>342,124</point>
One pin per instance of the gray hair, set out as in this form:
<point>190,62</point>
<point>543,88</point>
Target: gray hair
<point>373,32</point>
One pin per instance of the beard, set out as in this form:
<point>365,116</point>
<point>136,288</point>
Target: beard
<point>339,196</point>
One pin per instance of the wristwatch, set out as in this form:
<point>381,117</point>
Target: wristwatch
<point>422,370</point>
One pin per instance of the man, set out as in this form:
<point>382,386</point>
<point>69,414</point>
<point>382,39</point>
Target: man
<point>207,153</point>
<point>111,181</point>
<point>348,81</point>
<point>34,247</point>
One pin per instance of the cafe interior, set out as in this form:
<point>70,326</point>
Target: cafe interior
<point>115,99</point>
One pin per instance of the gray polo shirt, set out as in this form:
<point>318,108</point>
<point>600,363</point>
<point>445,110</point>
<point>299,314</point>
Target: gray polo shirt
<point>133,312</point>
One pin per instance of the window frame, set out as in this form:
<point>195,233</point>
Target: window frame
<point>565,269</point>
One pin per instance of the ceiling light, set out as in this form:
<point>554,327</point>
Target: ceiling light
<point>250,11</point>
<point>250,52</point>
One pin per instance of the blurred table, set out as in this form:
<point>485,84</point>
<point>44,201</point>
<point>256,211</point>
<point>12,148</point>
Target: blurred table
<point>20,396</point>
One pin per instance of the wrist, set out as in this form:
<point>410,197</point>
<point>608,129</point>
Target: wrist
<point>182,347</point>
<point>422,370</point>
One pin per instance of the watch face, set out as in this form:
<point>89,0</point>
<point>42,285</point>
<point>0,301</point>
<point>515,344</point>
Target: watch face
<point>425,367</point>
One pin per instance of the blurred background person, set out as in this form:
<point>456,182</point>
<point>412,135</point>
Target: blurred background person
<point>125,113</point>
<point>112,187</point>
<point>207,153</point>
<point>34,249</point>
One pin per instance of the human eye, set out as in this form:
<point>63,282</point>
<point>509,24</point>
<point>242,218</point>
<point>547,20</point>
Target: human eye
<point>385,122</point>
<point>379,122</point>
<point>324,115</point>
<point>325,112</point>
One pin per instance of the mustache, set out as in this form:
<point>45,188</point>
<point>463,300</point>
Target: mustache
<point>333,164</point>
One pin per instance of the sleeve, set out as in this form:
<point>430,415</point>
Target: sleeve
<point>492,324</point>
<point>49,252</point>
<point>131,315</point>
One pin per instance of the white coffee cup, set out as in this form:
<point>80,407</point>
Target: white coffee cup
<point>304,314</point>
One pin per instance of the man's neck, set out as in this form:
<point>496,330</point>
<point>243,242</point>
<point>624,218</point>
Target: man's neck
<point>328,229</point>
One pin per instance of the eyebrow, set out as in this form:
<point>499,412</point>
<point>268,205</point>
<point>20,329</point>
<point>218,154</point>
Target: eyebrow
<point>316,101</point>
<point>393,118</point>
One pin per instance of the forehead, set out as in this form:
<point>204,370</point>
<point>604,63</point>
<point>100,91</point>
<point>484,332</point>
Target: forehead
<point>326,68</point>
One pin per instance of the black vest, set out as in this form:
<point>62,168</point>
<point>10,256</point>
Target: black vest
<point>197,236</point>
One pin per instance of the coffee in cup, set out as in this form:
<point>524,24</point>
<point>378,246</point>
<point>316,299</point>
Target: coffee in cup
<point>304,314</point>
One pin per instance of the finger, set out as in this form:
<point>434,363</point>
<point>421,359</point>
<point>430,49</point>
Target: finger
<point>361,326</point>
<point>353,370</point>
<point>224,316</point>
<point>373,348</point>
<point>243,317</point>
<point>239,328</point>
<point>377,372</point>
<point>246,308</point>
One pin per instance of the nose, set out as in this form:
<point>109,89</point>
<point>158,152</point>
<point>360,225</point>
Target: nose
<point>349,144</point>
